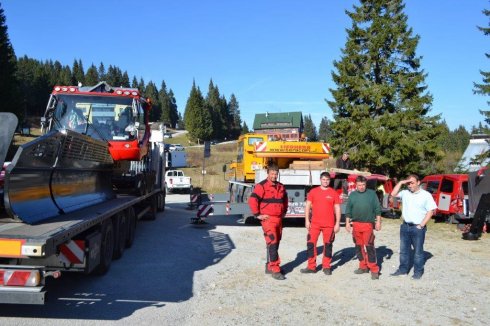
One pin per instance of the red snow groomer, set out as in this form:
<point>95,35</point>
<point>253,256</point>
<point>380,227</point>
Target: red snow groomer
<point>117,115</point>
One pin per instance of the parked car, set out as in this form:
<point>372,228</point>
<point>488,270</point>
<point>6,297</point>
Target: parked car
<point>176,180</point>
<point>176,147</point>
<point>450,192</point>
<point>167,135</point>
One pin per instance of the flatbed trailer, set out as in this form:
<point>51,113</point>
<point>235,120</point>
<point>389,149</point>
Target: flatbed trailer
<point>82,241</point>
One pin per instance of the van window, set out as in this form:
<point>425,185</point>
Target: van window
<point>432,186</point>
<point>371,184</point>
<point>465,187</point>
<point>447,186</point>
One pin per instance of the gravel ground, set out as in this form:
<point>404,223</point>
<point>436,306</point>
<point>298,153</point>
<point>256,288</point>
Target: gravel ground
<point>213,274</point>
<point>236,290</point>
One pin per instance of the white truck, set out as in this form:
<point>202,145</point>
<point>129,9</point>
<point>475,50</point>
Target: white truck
<point>176,180</point>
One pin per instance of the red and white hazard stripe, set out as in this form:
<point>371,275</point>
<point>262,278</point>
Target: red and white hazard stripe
<point>326,148</point>
<point>260,146</point>
<point>72,252</point>
<point>204,210</point>
<point>194,198</point>
<point>19,277</point>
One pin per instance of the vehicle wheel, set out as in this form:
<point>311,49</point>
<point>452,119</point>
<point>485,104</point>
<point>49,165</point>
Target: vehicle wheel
<point>131,230</point>
<point>120,234</point>
<point>452,219</point>
<point>106,247</point>
<point>161,202</point>
<point>152,214</point>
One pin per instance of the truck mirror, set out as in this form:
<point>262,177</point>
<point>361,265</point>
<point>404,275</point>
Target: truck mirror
<point>224,168</point>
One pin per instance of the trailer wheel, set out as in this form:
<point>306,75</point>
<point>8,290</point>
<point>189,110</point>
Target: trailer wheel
<point>121,226</point>
<point>161,201</point>
<point>106,248</point>
<point>131,231</point>
<point>152,214</point>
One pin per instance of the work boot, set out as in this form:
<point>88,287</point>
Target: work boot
<point>374,276</point>
<point>327,271</point>
<point>361,271</point>
<point>267,270</point>
<point>398,273</point>
<point>417,276</point>
<point>278,276</point>
<point>307,271</point>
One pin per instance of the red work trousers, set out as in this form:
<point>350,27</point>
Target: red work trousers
<point>272,228</point>
<point>363,236</point>
<point>311,250</point>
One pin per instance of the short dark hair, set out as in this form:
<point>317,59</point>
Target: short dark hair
<point>413,175</point>
<point>361,178</point>
<point>272,167</point>
<point>325,174</point>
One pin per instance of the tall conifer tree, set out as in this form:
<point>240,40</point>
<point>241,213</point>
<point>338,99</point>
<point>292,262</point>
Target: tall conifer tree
<point>484,87</point>
<point>234,109</point>
<point>324,130</point>
<point>381,102</point>
<point>197,119</point>
<point>309,128</point>
<point>8,81</point>
<point>92,76</point>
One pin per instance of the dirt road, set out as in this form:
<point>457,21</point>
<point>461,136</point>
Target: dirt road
<point>453,291</point>
<point>180,274</point>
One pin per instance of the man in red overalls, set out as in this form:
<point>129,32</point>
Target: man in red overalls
<point>269,203</point>
<point>324,203</point>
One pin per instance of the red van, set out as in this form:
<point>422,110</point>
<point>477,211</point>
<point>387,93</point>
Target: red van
<point>383,187</point>
<point>450,192</point>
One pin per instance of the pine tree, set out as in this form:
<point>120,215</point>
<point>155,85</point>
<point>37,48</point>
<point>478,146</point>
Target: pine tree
<point>65,77</point>
<point>197,119</point>
<point>78,75</point>
<point>484,88</point>
<point>169,115</point>
<point>214,104</point>
<point>234,109</point>
<point>310,129</point>
<point>324,130</point>
<point>9,88</point>
<point>92,76</point>
<point>151,92</point>
<point>102,72</point>
<point>180,122</point>
<point>141,85</point>
<point>125,80</point>
<point>165,105</point>
<point>134,83</point>
<point>245,129</point>
<point>381,103</point>
<point>174,113</point>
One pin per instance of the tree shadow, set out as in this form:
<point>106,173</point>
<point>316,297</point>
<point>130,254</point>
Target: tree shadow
<point>157,269</point>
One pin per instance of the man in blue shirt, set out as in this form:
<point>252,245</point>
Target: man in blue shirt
<point>417,209</point>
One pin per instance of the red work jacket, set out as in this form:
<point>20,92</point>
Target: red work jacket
<point>268,198</point>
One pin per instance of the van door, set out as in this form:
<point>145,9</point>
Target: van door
<point>445,193</point>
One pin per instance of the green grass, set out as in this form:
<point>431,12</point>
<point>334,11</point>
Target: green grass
<point>213,181</point>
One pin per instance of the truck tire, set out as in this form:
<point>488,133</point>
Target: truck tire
<point>152,213</point>
<point>106,247</point>
<point>161,201</point>
<point>120,230</point>
<point>131,232</point>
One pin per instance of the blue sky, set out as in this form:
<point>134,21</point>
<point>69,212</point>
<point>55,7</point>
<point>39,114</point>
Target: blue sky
<point>275,56</point>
